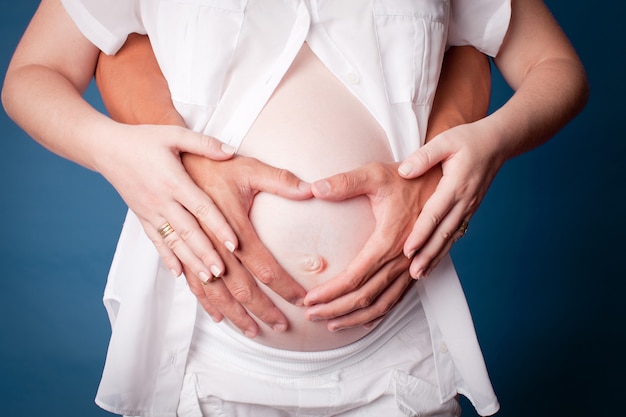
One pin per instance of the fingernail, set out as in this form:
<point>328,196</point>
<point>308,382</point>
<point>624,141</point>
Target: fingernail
<point>216,271</point>
<point>204,277</point>
<point>279,327</point>
<point>249,334</point>
<point>227,149</point>
<point>230,246</point>
<point>411,254</point>
<point>405,169</point>
<point>299,302</point>
<point>323,186</point>
<point>421,274</point>
<point>174,272</point>
<point>335,329</point>
<point>304,186</point>
<point>315,318</point>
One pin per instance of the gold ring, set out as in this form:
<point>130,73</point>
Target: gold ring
<point>165,230</point>
<point>463,228</point>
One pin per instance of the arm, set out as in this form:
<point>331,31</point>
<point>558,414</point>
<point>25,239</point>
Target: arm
<point>132,86</point>
<point>463,90</point>
<point>52,66</point>
<point>135,91</point>
<point>550,86</point>
<point>376,279</point>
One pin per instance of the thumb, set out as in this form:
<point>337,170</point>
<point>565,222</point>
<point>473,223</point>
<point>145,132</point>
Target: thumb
<point>342,186</point>
<point>279,182</point>
<point>423,159</point>
<point>197,143</point>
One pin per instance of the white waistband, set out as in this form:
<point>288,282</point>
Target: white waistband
<point>220,342</point>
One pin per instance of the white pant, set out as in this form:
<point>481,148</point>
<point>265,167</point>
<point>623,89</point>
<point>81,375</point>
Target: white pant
<point>389,372</point>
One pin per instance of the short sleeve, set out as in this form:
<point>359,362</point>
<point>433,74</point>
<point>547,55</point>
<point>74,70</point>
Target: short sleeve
<point>479,23</point>
<point>106,23</point>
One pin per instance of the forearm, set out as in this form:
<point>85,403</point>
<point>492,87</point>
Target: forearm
<point>551,86</point>
<point>54,114</point>
<point>551,95</point>
<point>132,85</point>
<point>44,83</point>
<point>462,92</point>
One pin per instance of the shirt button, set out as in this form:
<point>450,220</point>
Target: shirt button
<point>443,348</point>
<point>353,78</point>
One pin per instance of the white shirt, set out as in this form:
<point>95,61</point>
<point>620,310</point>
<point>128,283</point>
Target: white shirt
<point>222,60</point>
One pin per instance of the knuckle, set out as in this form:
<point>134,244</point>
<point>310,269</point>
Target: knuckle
<point>186,234</point>
<point>383,309</point>
<point>344,181</point>
<point>205,210</point>
<point>265,274</point>
<point>424,155</point>
<point>215,298</point>
<point>207,257</point>
<point>363,301</point>
<point>173,243</point>
<point>284,176</point>
<point>353,282</point>
<point>435,218</point>
<point>242,294</point>
<point>266,315</point>
<point>207,142</point>
<point>473,204</point>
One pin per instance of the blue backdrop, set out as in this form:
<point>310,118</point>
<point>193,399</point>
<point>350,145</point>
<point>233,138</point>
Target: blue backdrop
<point>542,264</point>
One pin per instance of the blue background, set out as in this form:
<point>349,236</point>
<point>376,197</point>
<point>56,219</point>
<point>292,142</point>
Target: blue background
<point>542,264</point>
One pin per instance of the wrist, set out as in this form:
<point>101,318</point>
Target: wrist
<point>497,138</point>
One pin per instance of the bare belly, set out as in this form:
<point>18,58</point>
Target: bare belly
<point>314,127</point>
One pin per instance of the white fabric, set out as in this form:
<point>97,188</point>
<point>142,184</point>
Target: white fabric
<point>387,373</point>
<point>222,60</point>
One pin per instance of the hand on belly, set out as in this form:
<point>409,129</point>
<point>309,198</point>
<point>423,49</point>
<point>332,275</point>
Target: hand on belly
<point>313,240</point>
<point>314,127</point>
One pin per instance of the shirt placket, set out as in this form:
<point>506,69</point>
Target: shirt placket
<point>252,104</point>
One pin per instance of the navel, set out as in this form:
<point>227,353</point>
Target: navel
<point>314,263</point>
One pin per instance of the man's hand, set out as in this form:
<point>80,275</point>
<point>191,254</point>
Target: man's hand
<point>376,279</point>
<point>232,185</point>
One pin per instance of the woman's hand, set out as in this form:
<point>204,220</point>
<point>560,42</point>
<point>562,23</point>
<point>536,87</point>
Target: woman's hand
<point>233,184</point>
<point>135,92</point>
<point>417,221</point>
<point>143,163</point>
<point>469,164</point>
<point>149,174</point>
<point>376,279</point>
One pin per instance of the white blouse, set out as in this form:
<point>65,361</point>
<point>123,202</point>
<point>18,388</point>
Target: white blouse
<point>222,60</point>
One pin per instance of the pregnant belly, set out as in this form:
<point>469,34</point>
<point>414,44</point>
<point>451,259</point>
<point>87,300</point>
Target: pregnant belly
<point>314,127</point>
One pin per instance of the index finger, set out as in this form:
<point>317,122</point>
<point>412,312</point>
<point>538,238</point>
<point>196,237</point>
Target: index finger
<point>345,185</point>
<point>207,212</point>
<point>255,256</point>
<point>370,259</point>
